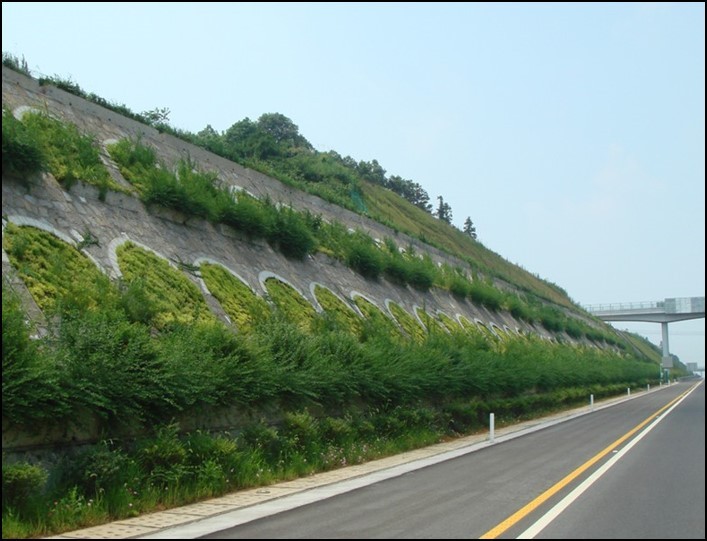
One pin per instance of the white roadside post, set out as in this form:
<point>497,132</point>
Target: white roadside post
<point>492,420</point>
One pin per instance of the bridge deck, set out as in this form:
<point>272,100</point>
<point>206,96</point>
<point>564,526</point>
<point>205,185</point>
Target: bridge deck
<point>675,309</point>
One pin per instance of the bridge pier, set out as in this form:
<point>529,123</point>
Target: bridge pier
<point>663,312</point>
<point>667,359</point>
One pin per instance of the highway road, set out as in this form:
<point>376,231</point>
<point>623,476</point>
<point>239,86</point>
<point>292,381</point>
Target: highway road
<point>632,470</point>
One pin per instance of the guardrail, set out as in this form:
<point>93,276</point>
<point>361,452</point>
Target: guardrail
<point>621,306</point>
<point>680,305</point>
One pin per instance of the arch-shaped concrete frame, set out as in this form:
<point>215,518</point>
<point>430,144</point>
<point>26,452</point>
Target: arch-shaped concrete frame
<point>438,312</point>
<point>107,142</point>
<point>235,189</point>
<point>119,241</point>
<point>313,287</point>
<point>264,275</point>
<point>199,260</point>
<point>387,302</point>
<point>20,221</point>
<point>459,317</point>
<point>355,294</point>
<point>495,329</point>
<point>415,308</point>
<point>21,110</point>
<point>485,328</point>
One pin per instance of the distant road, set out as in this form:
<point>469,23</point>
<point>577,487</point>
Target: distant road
<point>654,486</point>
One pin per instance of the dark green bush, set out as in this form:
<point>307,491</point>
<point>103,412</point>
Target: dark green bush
<point>291,234</point>
<point>95,469</point>
<point>22,154</point>
<point>32,384</point>
<point>363,256</point>
<point>485,294</point>
<point>397,270</point>
<point>163,457</point>
<point>248,215</point>
<point>21,482</point>
<point>421,273</point>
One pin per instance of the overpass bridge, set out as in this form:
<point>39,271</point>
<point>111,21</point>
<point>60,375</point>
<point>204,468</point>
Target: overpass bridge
<point>663,312</point>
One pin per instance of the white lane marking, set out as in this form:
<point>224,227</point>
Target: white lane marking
<point>553,513</point>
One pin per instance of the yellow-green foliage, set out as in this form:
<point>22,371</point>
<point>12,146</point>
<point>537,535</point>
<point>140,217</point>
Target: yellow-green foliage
<point>52,269</point>
<point>407,322</point>
<point>245,308</point>
<point>342,314</point>
<point>71,156</point>
<point>451,325</point>
<point>501,333</point>
<point>293,305</point>
<point>176,299</point>
<point>388,206</point>
<point>376,316</point>
<point>430,322</point>
<point>644,346</point>
<point>475,328</point>
<point>135,160</point>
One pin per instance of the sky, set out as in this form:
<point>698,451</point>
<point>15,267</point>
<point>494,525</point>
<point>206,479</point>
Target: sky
<point>573,135</point>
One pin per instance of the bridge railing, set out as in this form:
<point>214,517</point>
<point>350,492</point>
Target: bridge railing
<point>622,306</point>
<point>680,305</point>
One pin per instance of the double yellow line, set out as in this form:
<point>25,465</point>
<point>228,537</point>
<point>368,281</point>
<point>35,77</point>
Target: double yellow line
<point>519,515</point>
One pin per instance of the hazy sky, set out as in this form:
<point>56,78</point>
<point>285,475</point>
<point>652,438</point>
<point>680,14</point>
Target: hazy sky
<point>573,135</point>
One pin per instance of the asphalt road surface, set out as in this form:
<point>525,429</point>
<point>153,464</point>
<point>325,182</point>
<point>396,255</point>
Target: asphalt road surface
<point>633,470</point>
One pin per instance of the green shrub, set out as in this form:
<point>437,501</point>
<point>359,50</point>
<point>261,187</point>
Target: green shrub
<point>300,432</point>
<point>22,153</point>
<point>21,482</point>
<point>70,155</point>
<point>364,257</point>
<point>95,469</point>
<point>164,457</point>
<point>134,159</point>
<point>551,319</point>
<point>422,273</point>
<point>485,294</point>
<point>32,386</point>
<point>397,270</point>
<point>517,307</point>
<point>17,348</point>
<point>291,234</point>
<point>247,215</point>
<point>135,301</point>
<point>111,368</point>
<point>262,438</point>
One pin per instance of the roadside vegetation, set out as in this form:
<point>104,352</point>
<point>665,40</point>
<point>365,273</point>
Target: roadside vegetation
<point>134,360</point>
<point>127,361</point>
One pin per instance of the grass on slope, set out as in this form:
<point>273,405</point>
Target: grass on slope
<point>388,207</point>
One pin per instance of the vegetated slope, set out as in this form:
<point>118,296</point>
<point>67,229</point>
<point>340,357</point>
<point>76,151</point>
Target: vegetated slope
<point>273,145</point>
<point>642,345</point>
<point>390,207</point>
